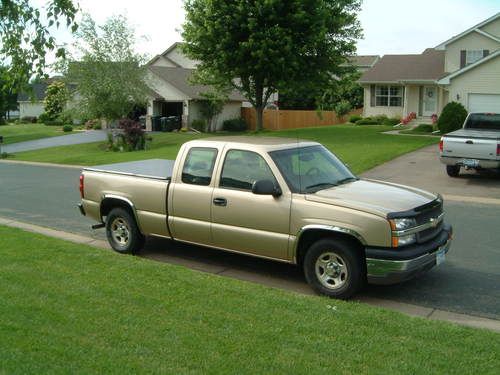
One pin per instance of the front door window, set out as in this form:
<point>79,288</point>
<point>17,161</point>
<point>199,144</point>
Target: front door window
<point>429,101</point>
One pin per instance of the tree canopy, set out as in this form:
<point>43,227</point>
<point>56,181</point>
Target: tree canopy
<point>108,73</point>
<point>25,36</point>
<point>262,46</point>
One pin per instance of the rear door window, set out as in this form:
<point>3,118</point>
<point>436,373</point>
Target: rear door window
<point>199,166</point>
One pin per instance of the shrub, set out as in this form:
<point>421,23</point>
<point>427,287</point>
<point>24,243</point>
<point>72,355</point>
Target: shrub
<point>452,117</point>
<point>29,119</point>
<point>199,124</point>
<point>89,124</point>
<point>391,121</point>
<point>44,118</point>
<point>424,128</point>
<point>2,121</point>
<point>134,137</point>
<point>234,125</point>
<point>342,108</point>
<point>379,119</point>
<point>367,121</point>
<point>97,126</point>
<point>67,128</point>
<point>65,118</point>
<point>354,118</point>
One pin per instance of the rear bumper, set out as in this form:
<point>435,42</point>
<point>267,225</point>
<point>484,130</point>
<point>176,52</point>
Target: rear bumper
<point>390,266</point>
<point>483,164</point>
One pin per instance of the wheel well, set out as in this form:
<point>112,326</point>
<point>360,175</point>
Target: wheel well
<point>311,236</point>
<point>109,203</point>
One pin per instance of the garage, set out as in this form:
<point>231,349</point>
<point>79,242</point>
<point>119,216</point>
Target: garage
<point>484,103</point>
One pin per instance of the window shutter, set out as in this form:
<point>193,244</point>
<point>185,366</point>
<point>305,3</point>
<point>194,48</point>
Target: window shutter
<point>485,52</point>
<point>372,95</point>
<point>462,58</point>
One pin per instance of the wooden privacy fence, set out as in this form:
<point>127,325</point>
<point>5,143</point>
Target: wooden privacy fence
<point>275,119</point>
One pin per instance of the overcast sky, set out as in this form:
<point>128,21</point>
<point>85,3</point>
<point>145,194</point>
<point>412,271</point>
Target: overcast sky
<point>389,26</point>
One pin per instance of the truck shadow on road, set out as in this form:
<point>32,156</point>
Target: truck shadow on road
<point>447,287</point>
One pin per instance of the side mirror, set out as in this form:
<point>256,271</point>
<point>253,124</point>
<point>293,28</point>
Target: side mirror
<point>266,187</point>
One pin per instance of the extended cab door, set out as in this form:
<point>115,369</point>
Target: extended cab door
<point>243,221</point>
<point>190,196</point>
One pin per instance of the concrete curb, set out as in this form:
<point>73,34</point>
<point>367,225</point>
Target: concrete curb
<point>405,308</point>
<point>40,164</point>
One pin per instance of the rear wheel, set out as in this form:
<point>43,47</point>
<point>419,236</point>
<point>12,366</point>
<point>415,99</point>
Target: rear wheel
<point>453,170</point>
<point>122,232</point>
<point>334,268</point>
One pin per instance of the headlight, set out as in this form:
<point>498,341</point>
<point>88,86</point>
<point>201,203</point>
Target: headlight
<point>403,223</point>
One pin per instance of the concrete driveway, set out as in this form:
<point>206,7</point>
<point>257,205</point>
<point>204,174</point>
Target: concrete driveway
<point>466,283</point>
<point>88,136</point>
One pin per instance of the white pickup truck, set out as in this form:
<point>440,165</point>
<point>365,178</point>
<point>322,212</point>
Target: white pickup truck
<point>475,146</point>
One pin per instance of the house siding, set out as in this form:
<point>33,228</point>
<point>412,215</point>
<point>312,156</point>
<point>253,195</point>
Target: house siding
<point>31,109</point>
<point>161,61</point>
<point>177,56</point>
<point>483,79</point>
<point>493,28</point>
<point>471,41</point>
<point>230,111</point>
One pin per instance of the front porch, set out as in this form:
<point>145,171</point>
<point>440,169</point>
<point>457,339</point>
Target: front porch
<point>159,108</point>
<point>424,100</point>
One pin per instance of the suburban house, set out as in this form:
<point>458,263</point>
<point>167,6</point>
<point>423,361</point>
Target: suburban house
<point>362,63</point>
<point>172,93</point>
<point>465,68</point>
<point>32,104</point>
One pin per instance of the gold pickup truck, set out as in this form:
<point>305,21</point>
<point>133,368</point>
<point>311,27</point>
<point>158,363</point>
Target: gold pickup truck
<point>276,198</point>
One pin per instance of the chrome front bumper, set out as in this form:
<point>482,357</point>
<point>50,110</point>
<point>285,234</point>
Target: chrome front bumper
<point>384,271</point>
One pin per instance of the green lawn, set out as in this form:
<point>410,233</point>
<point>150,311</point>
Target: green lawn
<point>362,147</point>
<point>69,308</point>
<point>28,132</point>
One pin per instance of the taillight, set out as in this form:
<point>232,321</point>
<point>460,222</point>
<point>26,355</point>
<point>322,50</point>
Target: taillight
<point>498,149</point>
<point>441,145</point>
<point>81,186</point>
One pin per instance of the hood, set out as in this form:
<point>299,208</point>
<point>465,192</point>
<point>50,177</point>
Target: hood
<point>373,196</point>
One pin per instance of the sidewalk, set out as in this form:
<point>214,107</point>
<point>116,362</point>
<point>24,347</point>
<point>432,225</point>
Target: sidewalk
<point>291,285</point>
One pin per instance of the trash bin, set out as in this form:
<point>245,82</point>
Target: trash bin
<point>164,124</point>
<point>173,123</point>
<point>142,120</point>
<point>156,123</point>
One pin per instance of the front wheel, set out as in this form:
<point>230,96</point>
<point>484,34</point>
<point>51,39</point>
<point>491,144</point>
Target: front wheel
<point>122,232</point>
<point>334,268</point>
<point>453,170</point>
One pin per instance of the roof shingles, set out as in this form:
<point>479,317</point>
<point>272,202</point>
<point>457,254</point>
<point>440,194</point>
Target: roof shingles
<point>428,66</point>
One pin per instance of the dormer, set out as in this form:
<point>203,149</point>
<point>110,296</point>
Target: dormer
<point>472,45</point>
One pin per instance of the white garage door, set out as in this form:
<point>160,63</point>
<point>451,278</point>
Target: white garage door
<point>484,103</point>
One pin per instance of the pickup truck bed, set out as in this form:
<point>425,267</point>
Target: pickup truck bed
<point>159,169</point>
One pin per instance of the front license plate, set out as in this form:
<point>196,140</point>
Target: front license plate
<point>440,256</point>
<point>473,163</point>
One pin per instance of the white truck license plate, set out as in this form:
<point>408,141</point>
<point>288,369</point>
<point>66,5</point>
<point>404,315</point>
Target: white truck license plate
<point>473,163</point>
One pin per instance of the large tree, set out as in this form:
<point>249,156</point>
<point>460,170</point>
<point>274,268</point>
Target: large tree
<point>25,36</point>
<point>108,73</point>
<point>8,96</point>
<point>262,46</point>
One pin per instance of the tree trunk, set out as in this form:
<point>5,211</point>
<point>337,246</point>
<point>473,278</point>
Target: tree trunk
<point>260,118</point>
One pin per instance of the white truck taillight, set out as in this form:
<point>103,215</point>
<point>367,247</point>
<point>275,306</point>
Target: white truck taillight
<point>81,186</point>
<point>441,145</point>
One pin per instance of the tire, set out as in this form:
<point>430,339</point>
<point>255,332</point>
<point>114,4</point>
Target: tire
<point>453,170</point>
<point>122,232</point>
<point>334,268</point>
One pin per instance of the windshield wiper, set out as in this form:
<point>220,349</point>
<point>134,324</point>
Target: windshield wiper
<point>347,179</point>
<point>322,185</point>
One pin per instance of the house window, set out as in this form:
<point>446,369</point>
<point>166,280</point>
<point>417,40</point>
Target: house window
<point>471,56</point>
<point>389,96</point>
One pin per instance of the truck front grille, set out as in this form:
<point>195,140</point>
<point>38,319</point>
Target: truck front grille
<point>432,211</point>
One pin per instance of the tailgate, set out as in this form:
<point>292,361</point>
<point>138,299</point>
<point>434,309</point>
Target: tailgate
<point>470,148</point>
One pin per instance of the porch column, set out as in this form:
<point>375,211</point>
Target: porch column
<point>149,114</point>
<point>405,100</point>
<point>185,114</point>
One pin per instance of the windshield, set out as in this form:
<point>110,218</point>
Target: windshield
<point>486,121</point>
<point>310,169</point>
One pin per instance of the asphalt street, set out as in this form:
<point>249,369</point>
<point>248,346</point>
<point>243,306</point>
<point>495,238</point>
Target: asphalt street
<point>468,282</point>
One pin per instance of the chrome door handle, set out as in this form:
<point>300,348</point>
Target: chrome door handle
<point>220,201</point>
